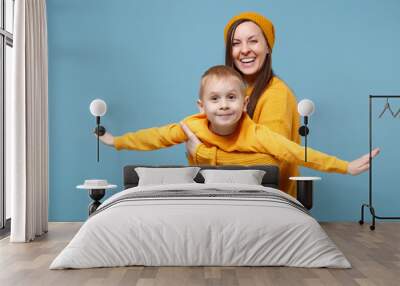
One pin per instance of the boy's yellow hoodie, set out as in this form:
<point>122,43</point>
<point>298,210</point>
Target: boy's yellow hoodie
<point>248,138</point>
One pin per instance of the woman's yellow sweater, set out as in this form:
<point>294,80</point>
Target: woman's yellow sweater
<point>276,109</point>
<point>248,138</point>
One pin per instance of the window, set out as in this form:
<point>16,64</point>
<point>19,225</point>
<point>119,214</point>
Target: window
<point>6,45</point>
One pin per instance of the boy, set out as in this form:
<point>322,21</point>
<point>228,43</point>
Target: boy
<point>223,122</point>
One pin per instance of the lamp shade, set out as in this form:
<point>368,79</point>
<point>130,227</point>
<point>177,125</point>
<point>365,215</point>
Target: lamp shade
<point>98,107</point>
<point>305,107</point>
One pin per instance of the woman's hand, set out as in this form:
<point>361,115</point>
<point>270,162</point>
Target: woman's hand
<point>192,141</point>
<point>107,139</point>
<point>361,164</point>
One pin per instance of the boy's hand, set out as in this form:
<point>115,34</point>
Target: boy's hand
<point>107,139</point>
<point>361,164</point>
<point>192,141</point>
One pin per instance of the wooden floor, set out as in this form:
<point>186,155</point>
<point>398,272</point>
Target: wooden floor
<point>374,255</point>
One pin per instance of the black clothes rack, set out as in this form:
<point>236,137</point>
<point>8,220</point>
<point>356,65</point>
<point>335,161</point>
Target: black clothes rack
<point>369,205</point>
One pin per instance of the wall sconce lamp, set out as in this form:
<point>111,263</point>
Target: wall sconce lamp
<point>305,108</point>
<point>98,108</point>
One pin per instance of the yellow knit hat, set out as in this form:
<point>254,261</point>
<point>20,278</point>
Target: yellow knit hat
<point>266,25</point>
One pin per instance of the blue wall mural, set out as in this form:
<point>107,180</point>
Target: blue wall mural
<point>145,59</point>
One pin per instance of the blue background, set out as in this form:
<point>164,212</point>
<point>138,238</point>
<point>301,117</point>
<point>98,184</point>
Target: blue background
<point>145,59</point>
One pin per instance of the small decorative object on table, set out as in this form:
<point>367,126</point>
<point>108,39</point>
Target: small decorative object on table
<point>97,190</point>
<point>305,190</point>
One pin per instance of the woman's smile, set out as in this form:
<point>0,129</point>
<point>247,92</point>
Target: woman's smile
<point>247,60</point>
<point>246,63</point>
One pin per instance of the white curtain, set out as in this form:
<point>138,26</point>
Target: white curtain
<point>27,123</point>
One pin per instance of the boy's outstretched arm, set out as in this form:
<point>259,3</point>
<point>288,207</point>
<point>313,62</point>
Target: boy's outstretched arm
<point>146,139</point>
<point>284,149</point>
<point>361,164</point>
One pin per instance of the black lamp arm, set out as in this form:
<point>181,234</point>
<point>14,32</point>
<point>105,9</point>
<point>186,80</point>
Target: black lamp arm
<point>99,130</point>
<point>303,131</point>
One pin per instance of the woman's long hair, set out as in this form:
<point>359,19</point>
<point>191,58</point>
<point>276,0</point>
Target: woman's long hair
<point>264,74</point>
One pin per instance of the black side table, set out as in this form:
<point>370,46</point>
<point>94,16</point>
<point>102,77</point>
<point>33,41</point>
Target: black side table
<point>97,190</point>
<point>305,190</point>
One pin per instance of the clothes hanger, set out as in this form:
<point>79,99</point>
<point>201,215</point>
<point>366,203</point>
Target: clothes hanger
<point>387,106</point>
<point>397,113</point>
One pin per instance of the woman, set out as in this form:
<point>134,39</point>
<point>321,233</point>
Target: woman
<point>249,39</point>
